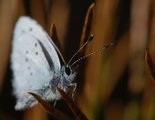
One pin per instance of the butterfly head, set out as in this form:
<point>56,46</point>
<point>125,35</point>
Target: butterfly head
<point>68,73</point>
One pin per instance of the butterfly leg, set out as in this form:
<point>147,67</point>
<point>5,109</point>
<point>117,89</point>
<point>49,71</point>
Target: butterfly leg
<point>74,85</point>
<point>54,103</point>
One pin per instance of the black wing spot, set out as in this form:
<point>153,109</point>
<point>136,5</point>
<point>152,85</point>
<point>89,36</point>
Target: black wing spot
<point>26,59</point>
<point>31,73</point>
<point>29,67</point>
<point>35,44</point>
<point>36,53</point>
<point>30,29</point>
<point>27,51</point>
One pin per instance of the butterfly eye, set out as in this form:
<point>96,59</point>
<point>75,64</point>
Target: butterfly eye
<point>67,70</point>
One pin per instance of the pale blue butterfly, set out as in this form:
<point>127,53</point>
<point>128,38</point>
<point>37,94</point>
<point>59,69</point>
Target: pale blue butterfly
<point>36,65</point>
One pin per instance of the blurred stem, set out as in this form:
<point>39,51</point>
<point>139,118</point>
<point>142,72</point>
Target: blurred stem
<point>138,43</point>
<point>106,16</point>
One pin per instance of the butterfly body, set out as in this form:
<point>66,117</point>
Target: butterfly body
<point>36,65</point>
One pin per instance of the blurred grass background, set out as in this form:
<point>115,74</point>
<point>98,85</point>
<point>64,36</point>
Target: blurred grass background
<point>113,85</point>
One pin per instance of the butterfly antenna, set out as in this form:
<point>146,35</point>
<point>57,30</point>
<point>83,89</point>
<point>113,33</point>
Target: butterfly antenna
<point>97,51</point>
<point>89,39</point>
<point>62,58</point>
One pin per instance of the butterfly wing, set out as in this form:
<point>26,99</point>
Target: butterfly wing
<point>34,62</point>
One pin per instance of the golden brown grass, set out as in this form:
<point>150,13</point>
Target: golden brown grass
<point>117,84</point>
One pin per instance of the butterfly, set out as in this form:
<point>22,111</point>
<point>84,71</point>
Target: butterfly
<point>36,66</point>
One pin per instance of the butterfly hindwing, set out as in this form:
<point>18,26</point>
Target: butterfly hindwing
<point>34,61</point>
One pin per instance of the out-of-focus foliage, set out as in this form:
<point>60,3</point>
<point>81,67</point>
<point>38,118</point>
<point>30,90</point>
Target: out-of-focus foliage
<point>116,84</point>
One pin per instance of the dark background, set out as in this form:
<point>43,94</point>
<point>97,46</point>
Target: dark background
<point>112,85</point>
